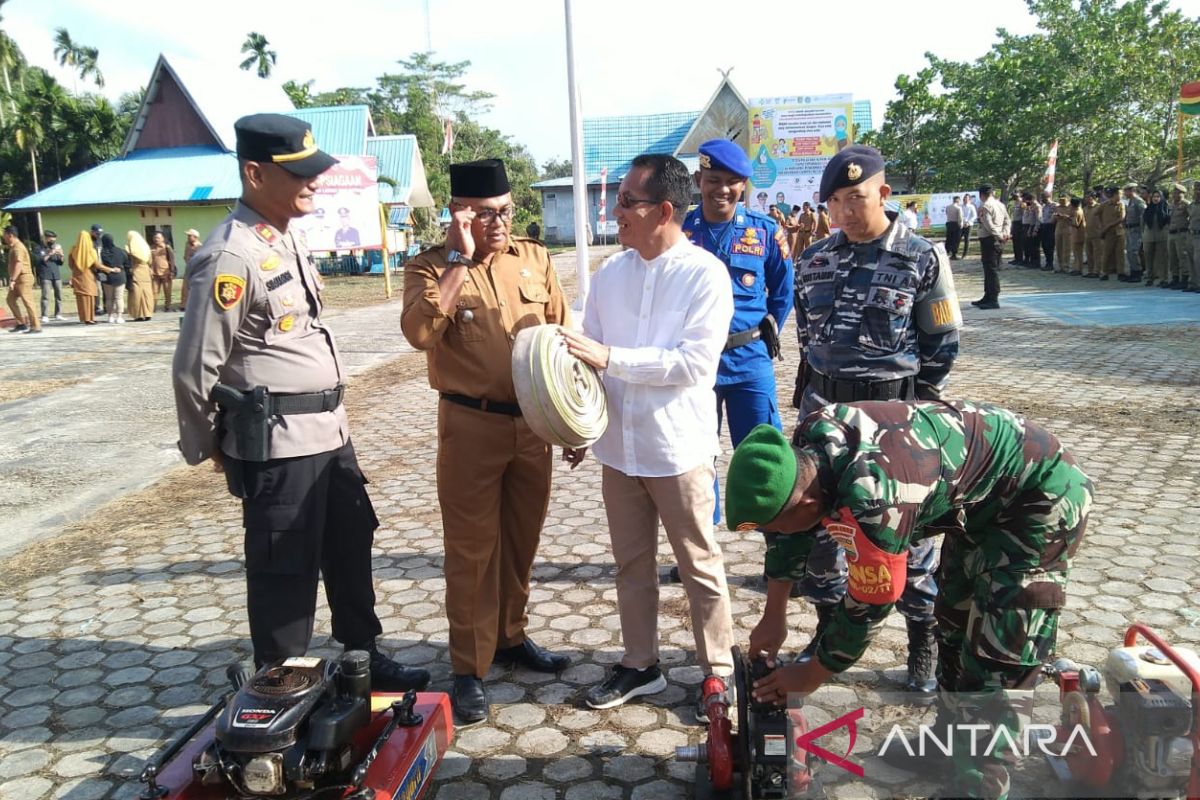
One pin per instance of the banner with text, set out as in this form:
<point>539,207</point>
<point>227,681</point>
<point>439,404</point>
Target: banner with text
<point>791,141</point>
<point>931,208</point>
<point>346,216</point>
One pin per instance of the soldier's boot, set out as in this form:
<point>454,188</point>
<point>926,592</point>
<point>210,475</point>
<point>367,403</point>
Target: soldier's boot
<point>922,654</point>
<point>824,616</point>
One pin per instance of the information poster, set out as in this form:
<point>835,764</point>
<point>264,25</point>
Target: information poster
<point>791,141</point>
<point>931,208</point>
<point>346,216</point>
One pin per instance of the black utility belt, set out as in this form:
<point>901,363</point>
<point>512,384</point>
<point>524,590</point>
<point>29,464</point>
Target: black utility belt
<point>839,391</point>
<point>492,406</point>
<point>236,400</point>
<point>742,338</point>
<point>1177,230</point>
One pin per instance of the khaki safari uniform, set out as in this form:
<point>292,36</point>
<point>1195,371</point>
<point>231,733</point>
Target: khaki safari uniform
<point>823,226</point>
<point>1091,239</point>
<point>1179,253</point>
<point>1062,236</point>
<point>1112,235</point>
<point>20,286</point>
<point>1078,229</point>
<point>162,271</point>
<point>256,321</point>
<point>804,237</point>
<point>493,472</point>
<point>188,251</point>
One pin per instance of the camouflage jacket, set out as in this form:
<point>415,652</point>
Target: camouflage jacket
<point>893,472</point>
<point>857,304</point>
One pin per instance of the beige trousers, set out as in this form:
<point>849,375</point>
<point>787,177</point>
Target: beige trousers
<point>684,503</point>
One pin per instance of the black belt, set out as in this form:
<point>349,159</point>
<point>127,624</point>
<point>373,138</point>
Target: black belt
<point>742,338</point>
<point>314,403</point>
<point>1177,230</point>
<point>508,409</point>
<point>838,391</point>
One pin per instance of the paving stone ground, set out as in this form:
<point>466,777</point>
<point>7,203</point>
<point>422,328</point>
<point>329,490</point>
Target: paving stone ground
<point>116,635</point>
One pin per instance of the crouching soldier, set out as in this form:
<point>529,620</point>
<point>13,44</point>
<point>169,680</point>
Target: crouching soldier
<point>1012,504</point>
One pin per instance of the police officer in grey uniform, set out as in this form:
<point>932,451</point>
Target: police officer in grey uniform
<point>258,389</point>
<point>878,320</point>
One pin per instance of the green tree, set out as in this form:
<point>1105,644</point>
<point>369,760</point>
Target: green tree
<point>556,169</point>
<point>261,58</point>
<point>299,93</point>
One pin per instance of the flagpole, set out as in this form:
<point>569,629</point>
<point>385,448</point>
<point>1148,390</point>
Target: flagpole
<point>578,169</point>
<point>1179,157</point>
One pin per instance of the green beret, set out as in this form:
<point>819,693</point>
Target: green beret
<point>761,476</point>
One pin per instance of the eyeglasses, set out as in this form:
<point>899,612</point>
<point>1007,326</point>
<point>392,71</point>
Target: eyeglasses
<point>626,200</point>
<point>489,215</point>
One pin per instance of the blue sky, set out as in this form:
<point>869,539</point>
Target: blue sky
<point>633,56</point>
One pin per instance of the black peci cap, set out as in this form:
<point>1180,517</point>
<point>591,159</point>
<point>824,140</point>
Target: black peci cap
<point>486,178</point>
<point>282,140</point>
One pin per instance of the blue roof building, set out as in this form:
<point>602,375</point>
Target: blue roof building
<point>177,168</point>
<point>612,143</point>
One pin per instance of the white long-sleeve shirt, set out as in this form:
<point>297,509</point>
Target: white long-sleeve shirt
<point>969,214</point>
<point>666,322</point>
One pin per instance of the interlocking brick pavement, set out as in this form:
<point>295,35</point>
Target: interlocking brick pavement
<point>113,640</point>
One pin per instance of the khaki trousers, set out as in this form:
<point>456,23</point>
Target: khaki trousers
<point>684,503</point>
<point>1179,264</point>
<point>1156,259</point>
<point>1062,248</point>
<point>1092,247</point>
<point>493,482</point>
<point>20,292</point>
<point>1077,256</point>
<point>164,284</point>
<point>1114,252</point>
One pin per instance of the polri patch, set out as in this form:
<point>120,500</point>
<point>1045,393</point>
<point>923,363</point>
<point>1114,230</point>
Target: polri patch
<point>228,290</point>
<point>748,280</point>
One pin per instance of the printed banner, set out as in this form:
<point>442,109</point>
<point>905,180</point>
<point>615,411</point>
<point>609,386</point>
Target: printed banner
<point>347,208</point>
<point>791,141</point>
<point>931,208</point>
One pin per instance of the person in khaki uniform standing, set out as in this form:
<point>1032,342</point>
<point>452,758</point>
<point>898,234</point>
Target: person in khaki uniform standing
<point>20,284</point>
<point>1194,230</point>
<point>1091,239</point>
<point>84,261</point>
<point>1112,233</point>
<point>808,224</point>
<point>824,227</point>
<point>189,250</point>
<point>1062,234</point>
<point>1078,228</point>
<point>464,302</point>
<point>162,268</point>
<point>1179,261</point>
<point>258,389</point>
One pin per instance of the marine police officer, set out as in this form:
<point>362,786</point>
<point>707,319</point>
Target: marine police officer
<point>878,320</point>
<point>755,251</point>
<point>258,389</point>
<point>1135,208</point>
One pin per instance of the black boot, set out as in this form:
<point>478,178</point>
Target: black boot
<point>391,676</point>
<point>824,616</point>
<point>922,654</point>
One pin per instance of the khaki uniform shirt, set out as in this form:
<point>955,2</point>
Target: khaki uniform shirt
<point>162,261</point>
<point>1111,216</point>
<point>993,218</point>
<point>259,324</point>
<point>808,222</point>
<point>1091,217</point>
<point>18,263</point>
<point>823,227</point>
<point>1078,225</point>
<point>1180,221</point>
<point>470,349</point>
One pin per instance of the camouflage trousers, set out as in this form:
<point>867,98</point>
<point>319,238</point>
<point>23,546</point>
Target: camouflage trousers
<point>1003,581</point>
<point>825,576</point>
<point>1133,250</point>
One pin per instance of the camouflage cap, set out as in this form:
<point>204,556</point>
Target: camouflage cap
<point>760,479</point>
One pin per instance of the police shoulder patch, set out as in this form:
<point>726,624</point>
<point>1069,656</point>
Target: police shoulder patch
<point>228,290</point>
<point>266,232</point>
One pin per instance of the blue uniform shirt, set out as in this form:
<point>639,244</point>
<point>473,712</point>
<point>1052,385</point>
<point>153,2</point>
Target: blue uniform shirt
<point>754,250</point>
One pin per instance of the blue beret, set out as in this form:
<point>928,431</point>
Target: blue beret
<point>850,167</point>
<point>724,154</point>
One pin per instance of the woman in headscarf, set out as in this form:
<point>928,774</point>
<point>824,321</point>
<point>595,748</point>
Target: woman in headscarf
<point>141,287</point>
<point>112,263</point>
<point>83,260</point>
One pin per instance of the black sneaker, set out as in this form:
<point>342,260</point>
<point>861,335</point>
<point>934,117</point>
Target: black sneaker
<point>18,329</point>
<point>625,683</point>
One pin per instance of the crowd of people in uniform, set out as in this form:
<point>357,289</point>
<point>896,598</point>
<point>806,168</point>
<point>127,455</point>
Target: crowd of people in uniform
<point>1134,233</point>
<point>684,327</point>
<point>105,280</point>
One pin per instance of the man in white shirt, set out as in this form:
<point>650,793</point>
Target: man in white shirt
<point>969,215</point>
<point>656,321</point>
<point>953,227</point>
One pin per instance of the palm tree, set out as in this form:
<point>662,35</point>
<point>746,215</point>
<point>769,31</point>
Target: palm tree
<point>10,60</point>
<point>87,66</point>
<point>260,57</point>
<point>72,54</point>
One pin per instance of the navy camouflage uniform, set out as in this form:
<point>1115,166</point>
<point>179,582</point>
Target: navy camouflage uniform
<point>856,307</point>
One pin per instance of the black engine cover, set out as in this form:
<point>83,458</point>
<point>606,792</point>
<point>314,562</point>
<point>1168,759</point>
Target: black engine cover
<point>268,711</point>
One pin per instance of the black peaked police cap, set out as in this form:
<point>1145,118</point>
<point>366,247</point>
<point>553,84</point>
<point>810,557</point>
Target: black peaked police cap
<point>282,140</point>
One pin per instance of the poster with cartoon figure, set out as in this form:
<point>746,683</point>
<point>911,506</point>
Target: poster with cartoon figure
<point>791,140</point>
<point>346,216</point>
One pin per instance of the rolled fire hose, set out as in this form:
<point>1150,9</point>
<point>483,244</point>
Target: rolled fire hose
<point>561,397</point>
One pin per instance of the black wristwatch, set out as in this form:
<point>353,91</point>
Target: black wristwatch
<point>455,257</point>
